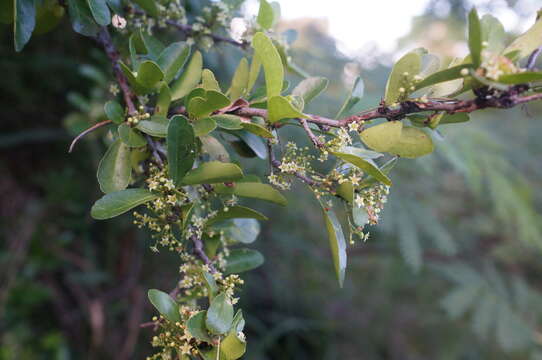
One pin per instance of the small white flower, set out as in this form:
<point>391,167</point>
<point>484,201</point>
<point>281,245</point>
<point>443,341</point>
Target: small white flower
<point>118,21</point>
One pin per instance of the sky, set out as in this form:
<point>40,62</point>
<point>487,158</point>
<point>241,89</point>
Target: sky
<point>360,24</point>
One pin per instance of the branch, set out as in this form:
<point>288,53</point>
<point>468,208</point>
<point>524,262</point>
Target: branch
<point>104,39</point>
<point>189,30</point>
<point>89,130</point>
<point>198,249</point>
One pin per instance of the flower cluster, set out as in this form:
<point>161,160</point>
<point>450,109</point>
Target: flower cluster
<point>373,200</point>
<point>295,161</point>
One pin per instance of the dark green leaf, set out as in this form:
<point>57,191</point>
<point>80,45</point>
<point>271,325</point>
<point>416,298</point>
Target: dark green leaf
<point>255,143</point>
<point>180,148</point>
<point>196,327</point>
<point>337,243</point>
<point>475,38</point>
<point>163,101</point>
<point>172,59</point>
<point>81,18</point>
<point>365,166</point>
<point>149,6</point>
<point>189,78</point>
<point>229,122</point>
<point>24,22</point>
<point>213,172</point>
<point>156,126</point>
<point>219,315</point>
<point>241,260</point>
<point>116,203</point>
<point>235,212</point>
<point>149,75</point>
<point>114,170</point>
<point>253,190</point>
<point>130,136</point>
<point>100,11</point>
<point>165,305</point>
<point>114,111</point>
<point>257,130</point>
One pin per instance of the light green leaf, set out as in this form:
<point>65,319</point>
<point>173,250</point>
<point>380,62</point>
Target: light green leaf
<point>355,95</point>
<point>208,81</point>
<point>493,33</point>
<point>203,126</point>
<point>241,260</point>
<point>520,78</point>
<point>452,73</point>
<point>189,78</point>
<point>229,122</point>
<point>114,111</point>
<point>360,215</point>
<point>201,107</point>
<point>253,74</point>
<point>475,38</point>
<point>337,243</point>
<point>382,137</point>
<point>153,46</point>
<point>181,150</point>
<point>266,15</point>
<point>196,327</point>
<point>454,118</point>
<point>310,88</point>
<point>210,283</point>
<point>165,305</point>
<point>365,166</point>
<point>219,316</point>
<point>213,172</point>
<point>156,126</point>
<point>115,169</point>
<point>172,59</point>
<point>235,212</point>
<point>257,129</point>
<point>214,149</point>
<point>272,63</point>
<point>526,43</point>
<point>116,203</point>
<point>131,137</point>
<point>401,77</point>
<point>360,152</point>
<point>132,80</point>
<point>149,75</point>
<point>239,82</point>
<point>100,11</point>
<point>253,190</point>
<point>233,347</point>
<point>243,230</point>
<point>81,17</point>
<point>163,101</point>
<point>280,108</point>
<point>413,143</point>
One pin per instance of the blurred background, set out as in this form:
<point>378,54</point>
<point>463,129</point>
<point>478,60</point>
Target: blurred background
<point>453,271</point>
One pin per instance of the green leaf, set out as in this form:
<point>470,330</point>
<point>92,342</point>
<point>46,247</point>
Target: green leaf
<point>360,216</point>
<point>257,129</point>
<point>452,73</point>
<point>493,33</point>
<point>114,170</point>
<point>365,166</point>
<point>266,15</point>
<point>243,230</point>
<point>382,137</point>
<point>233,347</point>
<point>337,243</point>
<point>229,122</point>
<point>280,108</point>
<point>219,315</point>
<point>131,137</point>
<point>81,18</point>
<point>253,190</point>
<point>153,46</point>
<point>520,78</point>
<point>208,81</point>
<point>116,203</point>
<point>241,260</point>
<point>114,111</point>
<point>214,149</point>
<point>165,305</point>
<point>213,172</point>
<point>172,59</point>
<point>475,38</point>
<point>201,107</point>
<point>355,95</point>
<point>272,63</point>
<point>181,151</point>
<point>100,11</point>
<point>189,78</point>
<point>156,126</point>
<point>149,75</point>
<point>526,43</point>
<point>210,283</point>
<point>454,118</point>
<point>132,80</point>
<point>401,77</point>
<point>239,82</point>
<point>413,143</point>
<point>253,74</point>
<point>149,6</point>
<point>238,323</point>
<point>236,212</point>
<point>360,152</point>
<point>255,143</point>
<point>310,88</point>
<point>163,101</point>
<point>24,22</point>
<point>196,327</point>
<point>203,126</point>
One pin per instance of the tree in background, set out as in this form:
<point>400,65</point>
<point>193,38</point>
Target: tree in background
<point>171,146</point>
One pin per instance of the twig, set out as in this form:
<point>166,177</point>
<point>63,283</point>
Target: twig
<point>198,249</point>
<point>532,58</point>
<point>189,30</point>
<point>297,174</point>
<point>311,135</point>
<point>89,130</point>
<point>154,150</point>
<point>104,38</point>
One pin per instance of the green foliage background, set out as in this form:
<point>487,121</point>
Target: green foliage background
<point>452,273</point>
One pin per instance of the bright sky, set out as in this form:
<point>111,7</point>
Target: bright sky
<point>359,23</point>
